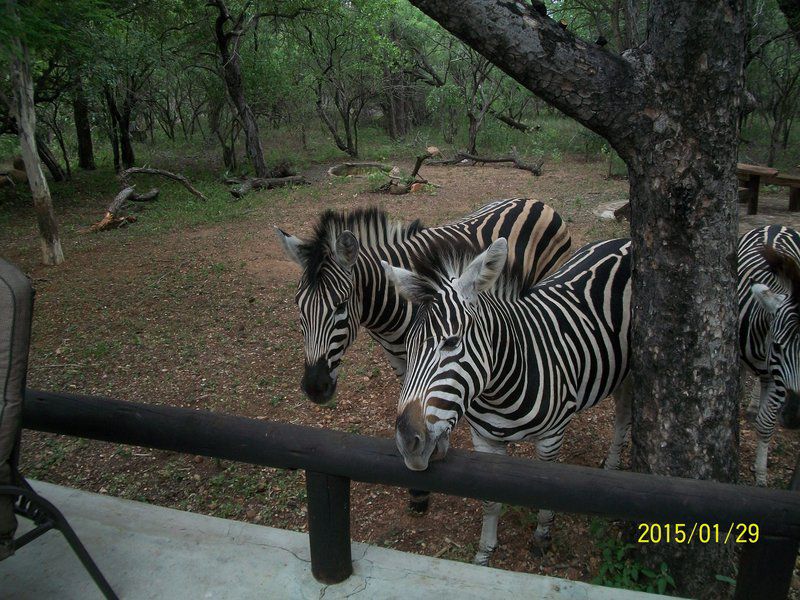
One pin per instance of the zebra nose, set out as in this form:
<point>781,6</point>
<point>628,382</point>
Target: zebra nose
<point>411,431</point>
<point>317,382</point>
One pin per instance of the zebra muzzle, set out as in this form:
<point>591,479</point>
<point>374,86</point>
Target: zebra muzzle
<point>415,442</point>
<point>317,382</point>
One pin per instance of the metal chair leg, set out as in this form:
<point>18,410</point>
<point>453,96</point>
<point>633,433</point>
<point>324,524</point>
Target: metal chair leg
<point>52,518</point>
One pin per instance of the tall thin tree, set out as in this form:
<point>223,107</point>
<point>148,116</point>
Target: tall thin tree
<point>22,109</point>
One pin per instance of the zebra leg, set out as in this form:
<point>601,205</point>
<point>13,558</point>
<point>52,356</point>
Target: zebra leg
<point>623,401</point>
<point>546,449</point>
<point>491,510</point>
<point>759,395</point>
<point>418,501</point>
<point>765,427</point>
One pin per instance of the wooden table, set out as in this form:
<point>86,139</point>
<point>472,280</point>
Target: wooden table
<point>750,176</point>
<point>790,181</point>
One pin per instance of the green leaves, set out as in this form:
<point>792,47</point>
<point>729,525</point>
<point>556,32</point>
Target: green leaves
<point>52,24</point>
<point>619,567</point>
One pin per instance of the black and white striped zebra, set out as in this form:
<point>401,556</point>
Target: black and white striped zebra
<point>517,362</point>
<point>343,286</point>
<point>769,325</point>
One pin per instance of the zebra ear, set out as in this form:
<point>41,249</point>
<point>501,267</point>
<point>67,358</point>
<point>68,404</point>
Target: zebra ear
<point>291,246</point>
<point>768,299</point>
<point>481,274</point>
<point>406,282</point>
<point>346,249</point>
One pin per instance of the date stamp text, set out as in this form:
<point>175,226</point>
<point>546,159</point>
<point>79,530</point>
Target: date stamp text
<point>704,533</point>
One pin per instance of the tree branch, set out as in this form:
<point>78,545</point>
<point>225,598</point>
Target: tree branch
<point>586,82</point>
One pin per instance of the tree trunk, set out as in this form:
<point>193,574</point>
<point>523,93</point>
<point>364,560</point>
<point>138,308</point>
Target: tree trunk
<point>670,109</point>
<point>50,161</point>
<point>774,140</point>
<point>25,114</point>
<point>83,128</point>
<point>125,142</point>
<point>472,134</point>
<point>113,127</point>
<point>227,45</point>
<point>62,145</point>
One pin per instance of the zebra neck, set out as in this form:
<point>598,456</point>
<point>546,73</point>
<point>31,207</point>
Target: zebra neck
<point>505,349</point>
<point>384,313</point>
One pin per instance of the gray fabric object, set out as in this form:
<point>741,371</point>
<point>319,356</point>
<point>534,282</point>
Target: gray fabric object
<point>16,309</point>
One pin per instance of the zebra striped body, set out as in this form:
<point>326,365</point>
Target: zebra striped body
<point>769,324</point>
<point>343,286</point>
<point>517,362</point>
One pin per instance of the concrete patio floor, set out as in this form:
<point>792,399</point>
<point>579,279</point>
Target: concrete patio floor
<point>148,551</point>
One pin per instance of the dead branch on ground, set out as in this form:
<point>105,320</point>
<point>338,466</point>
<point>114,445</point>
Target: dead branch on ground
<point>113,219</point>
<point>123,177</point>
<point>246,184</point>
<point>461,157</point>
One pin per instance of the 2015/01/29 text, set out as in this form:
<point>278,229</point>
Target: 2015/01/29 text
<point>705,533</point>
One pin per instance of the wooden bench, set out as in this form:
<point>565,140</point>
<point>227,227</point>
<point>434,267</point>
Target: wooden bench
<point>752,176</point>
<point>790,181</point>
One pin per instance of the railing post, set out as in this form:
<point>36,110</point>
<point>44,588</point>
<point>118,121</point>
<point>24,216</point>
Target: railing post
<point>329,526</point>
<point>766,567</point>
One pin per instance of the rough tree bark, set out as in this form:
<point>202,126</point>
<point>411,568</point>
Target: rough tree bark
<point>669,108</point>
<point>83,127</point>
<point>24,112</point>
<point>230,61</point>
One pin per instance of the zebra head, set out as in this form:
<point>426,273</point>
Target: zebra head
<point>449,349</point>
<point>329,307</point>
<point>783,311</point>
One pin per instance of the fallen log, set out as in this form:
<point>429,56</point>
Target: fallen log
<point>113,219</point>
<point>263,183</point>
<point>123,177</point>
<point>460,157</point>
<point>362,169</point>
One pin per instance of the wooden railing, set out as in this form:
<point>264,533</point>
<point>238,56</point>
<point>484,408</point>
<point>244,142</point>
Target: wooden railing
<point>332,459</point>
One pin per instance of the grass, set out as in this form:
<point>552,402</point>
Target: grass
<point>620,568</point>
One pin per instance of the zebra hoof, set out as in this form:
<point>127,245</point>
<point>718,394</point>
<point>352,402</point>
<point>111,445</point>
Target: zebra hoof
<point>539,547</point>
<point>482,558</point>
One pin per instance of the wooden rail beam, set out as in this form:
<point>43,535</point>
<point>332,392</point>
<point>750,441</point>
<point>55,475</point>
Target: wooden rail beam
<point>511,480</point>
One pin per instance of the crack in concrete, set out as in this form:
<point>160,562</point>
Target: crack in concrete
<point>300,558</point>
<point>361,589</point>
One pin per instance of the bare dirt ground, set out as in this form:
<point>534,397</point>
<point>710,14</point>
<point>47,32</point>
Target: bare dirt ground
<point>205,318</point>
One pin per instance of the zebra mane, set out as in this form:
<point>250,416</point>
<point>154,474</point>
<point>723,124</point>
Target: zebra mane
<point>371,226</point>
<point>786,269</point>
<point>444,260</point>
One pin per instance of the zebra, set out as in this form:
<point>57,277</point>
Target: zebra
<point>343,286</point>
<point>518,362</point>
<point>769,326</point>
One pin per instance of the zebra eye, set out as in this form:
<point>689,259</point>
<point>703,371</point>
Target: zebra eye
<point>340,308</point>
<point>451,343</point>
